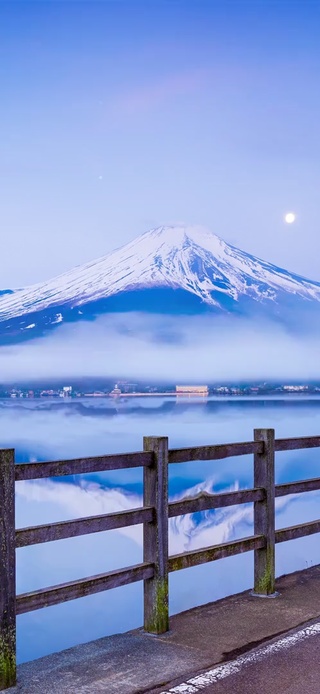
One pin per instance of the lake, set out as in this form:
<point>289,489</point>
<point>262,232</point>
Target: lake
<point>50,429</point>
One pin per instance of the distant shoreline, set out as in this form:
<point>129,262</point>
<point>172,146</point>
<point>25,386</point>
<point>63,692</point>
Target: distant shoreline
<point>180,396</point>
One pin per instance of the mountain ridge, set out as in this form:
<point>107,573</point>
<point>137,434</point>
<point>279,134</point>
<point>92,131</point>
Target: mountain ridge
<point>207,273</point>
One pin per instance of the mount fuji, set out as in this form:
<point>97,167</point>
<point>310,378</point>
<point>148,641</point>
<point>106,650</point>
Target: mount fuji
<point>170,270</point>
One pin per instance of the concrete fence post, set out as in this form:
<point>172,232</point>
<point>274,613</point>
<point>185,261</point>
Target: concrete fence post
<point>264,514</point>
<point>7,571</point>
<point>155,536</point>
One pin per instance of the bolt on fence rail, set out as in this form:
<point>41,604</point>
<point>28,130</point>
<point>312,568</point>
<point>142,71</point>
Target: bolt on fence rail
<point>153,571</point>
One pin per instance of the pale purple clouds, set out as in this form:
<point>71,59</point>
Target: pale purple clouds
<point>143,98</point>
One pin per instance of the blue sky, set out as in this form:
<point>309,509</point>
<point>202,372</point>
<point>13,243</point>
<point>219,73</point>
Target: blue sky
<point>119,116</point>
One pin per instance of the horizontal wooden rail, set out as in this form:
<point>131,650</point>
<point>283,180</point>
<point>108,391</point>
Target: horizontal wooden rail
<point>28,471</point>
<point>47,597</point>
<point>296,444</point>
<point>216,452</point>
<point>82,466</point>
<point>205,501</point>
<point>228,549</point>
<point>296,531</point>
<point>310,485</point>
<point>82,526</point>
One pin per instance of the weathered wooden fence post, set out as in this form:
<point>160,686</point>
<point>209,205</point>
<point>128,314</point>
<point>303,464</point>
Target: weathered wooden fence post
<point>264,514</point>
<point>155,536</point>
<point>7,571</point>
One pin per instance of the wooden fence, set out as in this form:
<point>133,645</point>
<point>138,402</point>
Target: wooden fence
<point>154,515</point>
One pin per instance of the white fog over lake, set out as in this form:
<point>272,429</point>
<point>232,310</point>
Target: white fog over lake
<point>50,429</point>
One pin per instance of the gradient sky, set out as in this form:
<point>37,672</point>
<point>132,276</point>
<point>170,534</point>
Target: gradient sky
<point>117,116</point>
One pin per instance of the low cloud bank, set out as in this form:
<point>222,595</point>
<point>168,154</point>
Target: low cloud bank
<point>170,349</point>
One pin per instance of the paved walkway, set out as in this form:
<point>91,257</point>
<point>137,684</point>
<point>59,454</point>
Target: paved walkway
<point>199,640</point>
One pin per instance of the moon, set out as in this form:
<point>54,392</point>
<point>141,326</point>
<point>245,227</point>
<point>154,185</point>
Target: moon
<point>289,217</point>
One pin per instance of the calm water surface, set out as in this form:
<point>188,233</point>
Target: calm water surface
<point>50,429</point>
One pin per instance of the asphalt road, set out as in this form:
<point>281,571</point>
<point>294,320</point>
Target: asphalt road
<point>290,665</point>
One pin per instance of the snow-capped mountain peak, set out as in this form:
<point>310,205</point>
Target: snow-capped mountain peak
<point>190,259</point>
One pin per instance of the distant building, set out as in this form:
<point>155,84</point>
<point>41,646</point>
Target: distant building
<point>192,390</point>
<point>128,387</point>
<point>295,388</point>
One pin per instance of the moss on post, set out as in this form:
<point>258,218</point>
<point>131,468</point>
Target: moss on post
<point>157,622</point>
<point>264,514</point>
<point>155,537</point>
<point>265,583</point>
<point>7,571</point>
<point>7,661</point>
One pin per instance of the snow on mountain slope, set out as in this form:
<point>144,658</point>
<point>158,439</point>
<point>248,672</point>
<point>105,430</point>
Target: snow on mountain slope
<point>169,271</point>
<point>188,258</point>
